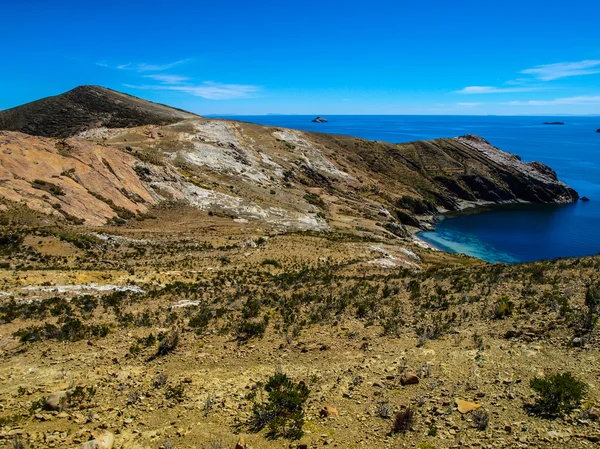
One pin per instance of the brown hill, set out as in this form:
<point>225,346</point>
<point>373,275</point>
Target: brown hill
<point>282,179</point>
<point>86,107</point>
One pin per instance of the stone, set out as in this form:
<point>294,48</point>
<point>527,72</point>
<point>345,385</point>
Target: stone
<point>241,444</point>
<point>593,414</point>
<point>466,406</point>
<point>584,198</point>
<point>409,378</point>
<point>102,440</point>
<point>577,342</point>
<point>55,400</point>
<point>328,410</point>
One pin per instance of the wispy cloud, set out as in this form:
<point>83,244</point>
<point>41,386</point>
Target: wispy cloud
<point>549,72</point>
<point>167,79</point>
<point>143,67</point>
<point>495,90</point>
<point>208,90</point>
<point>468,104</point>
<point>583,99</point>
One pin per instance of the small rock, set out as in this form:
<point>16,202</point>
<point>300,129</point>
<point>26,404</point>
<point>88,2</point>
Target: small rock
<point>241,444</point>
<point>466,406</point>
<point>328,410</point>
<point>409,378</point>
<point>593,414</point>
<point>55,400</point>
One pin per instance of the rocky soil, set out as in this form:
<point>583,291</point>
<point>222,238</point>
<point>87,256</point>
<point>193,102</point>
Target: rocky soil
<point>367,338</point>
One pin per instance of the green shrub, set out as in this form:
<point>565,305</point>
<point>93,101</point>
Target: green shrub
<point>504,307</point>
<point>201,319</point>
<point>557,393</point>
<point>283,413</point>
<point>248,329</point>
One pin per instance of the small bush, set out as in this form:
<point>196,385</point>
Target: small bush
<point>159,380</point>
<point>384,410</point>
<point>167,344</point>
<point>504,307</point>
<point>283,413</point>
<point>271,262</point>
<point>248,329</point>
<point>480,419</point>
<point>175,391</point>
<point>201,319</point>
<point>404,420</point>
<point>557,393</point>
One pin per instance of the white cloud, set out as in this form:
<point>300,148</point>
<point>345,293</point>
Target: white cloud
<point>167,79</point>
<point>159,68</point>
<point>494,90</point>
<point>468,104</point>
<point>209,90</point>
<point>584,99</point>
<point>549,72</point>
<point>144,67</point>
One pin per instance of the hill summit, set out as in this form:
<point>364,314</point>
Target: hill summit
<point>87,107</point>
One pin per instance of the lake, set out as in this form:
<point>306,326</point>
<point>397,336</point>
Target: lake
<point>507,234</point>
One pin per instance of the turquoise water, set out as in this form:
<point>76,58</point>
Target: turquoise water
<point>508,234</point>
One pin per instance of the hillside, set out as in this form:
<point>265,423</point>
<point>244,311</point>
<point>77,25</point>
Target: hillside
<point>282,179</point>
<point>158,281</point>
<point>83,108</point>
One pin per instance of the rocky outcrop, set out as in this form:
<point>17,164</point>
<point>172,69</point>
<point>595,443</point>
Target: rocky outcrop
<point>86,107</point>
<point>319,120</point>
<point>554,123</point>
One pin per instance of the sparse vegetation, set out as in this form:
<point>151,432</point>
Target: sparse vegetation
<point>557,393</point>
<point>404,420</point>
<point>283,412</point>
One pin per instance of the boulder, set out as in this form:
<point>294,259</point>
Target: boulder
<point>328,410</point>
<point>319,120</point>
<point>598,130</point>
<point>409,378</point>
<point>103,439</point>
<point>241,444</point>
<point>55,400</point>
<point>466,406</point>
<point>584,198</point>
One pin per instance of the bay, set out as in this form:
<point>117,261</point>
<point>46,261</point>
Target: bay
<point>507,234</point>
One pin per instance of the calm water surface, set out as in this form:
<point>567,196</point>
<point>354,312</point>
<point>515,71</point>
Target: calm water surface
<point>511,234</point>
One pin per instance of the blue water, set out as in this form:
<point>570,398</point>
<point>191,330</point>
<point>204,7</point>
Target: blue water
<point>511,234</point>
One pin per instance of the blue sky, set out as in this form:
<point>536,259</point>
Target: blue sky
<point>524,57</point>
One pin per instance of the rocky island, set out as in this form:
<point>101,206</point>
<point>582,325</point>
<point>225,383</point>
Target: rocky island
<point>554,123</point>
<point>319,120</point>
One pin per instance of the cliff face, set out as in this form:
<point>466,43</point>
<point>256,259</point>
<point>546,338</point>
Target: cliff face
<point>83,108</point>
<point>277,178</point>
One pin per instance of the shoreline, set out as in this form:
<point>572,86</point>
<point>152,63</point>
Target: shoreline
<point>468,208</point>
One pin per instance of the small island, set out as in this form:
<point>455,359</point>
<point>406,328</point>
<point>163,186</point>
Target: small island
<point>319,120</point>
<point>584,198</point>
<point>554,123</point>
<point>598,130</point>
